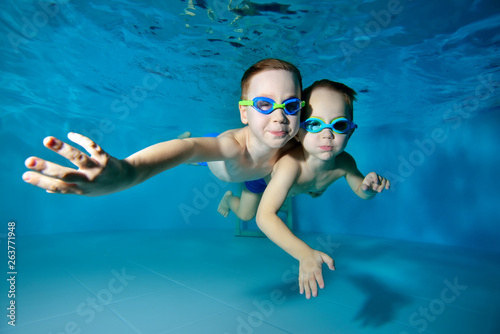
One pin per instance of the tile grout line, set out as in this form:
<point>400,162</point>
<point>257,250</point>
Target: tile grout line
<point>203,294</point>
<point>105,305</point>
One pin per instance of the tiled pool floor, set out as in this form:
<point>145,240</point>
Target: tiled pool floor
<point>212,282</point>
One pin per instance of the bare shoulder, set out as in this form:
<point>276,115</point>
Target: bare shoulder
<point>346,161</point>
<point>233,141</point>
<point>238,135</point>
<point>290,161</point>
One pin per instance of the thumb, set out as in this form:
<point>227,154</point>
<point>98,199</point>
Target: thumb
<point>328,260</point>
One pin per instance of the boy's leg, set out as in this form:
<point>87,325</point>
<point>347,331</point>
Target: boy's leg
<point>245,207</point>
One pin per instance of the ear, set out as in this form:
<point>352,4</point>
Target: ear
<point>243,114</point>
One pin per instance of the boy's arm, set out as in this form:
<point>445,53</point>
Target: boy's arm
<point>286,172</point>
<point>160,157</point>
<point>99,173</point>
<point>365,187</point>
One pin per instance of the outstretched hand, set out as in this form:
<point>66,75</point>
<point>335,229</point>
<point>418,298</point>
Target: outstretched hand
<point>98,173</point>
<point>375,183</point>
<point>310,272</point>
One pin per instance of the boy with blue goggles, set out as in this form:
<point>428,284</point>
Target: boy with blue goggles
<point>338,125</point>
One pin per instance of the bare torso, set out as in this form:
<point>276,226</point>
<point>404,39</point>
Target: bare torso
<point>315,182</point>
<point>246,167</point>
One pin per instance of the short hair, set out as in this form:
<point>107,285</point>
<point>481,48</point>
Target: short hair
<point>347,92</point>
<point>266,65</point>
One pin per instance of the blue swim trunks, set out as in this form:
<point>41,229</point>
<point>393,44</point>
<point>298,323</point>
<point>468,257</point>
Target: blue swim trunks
<point>256,186</point>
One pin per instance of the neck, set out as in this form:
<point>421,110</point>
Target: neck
<point>257,150</point>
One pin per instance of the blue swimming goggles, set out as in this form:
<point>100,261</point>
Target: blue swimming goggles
<point>265,105</point>
<point>338,125</point>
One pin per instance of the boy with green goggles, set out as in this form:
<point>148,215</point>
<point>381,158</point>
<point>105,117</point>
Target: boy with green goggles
<point>237,155</point>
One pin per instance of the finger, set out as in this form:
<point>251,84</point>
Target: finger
<point>53,170</point>
<point>329,261</point>
<point>312,285</point>
<point>304,286</point>
<point>50,184</point>
<point>77,157</point>
<point>377,187</point>
<point>319,279</point>
<point>388,185</point>
<point>383,185</point>
<point>307,290</point>
<point>89,145</point>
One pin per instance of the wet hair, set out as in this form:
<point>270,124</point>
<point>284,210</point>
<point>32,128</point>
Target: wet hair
<point>348,93</point>
<point>266,65</point>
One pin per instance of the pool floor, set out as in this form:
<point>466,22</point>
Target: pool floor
<point>182,281</point>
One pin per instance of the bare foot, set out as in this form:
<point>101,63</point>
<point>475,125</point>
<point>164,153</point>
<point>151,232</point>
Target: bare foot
<point>223,208</point>
<point>184,135</point>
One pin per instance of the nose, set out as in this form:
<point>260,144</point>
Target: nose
<point>278,115</point>
<point>326,133</point>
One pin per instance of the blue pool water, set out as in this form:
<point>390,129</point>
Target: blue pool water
<point>133,73</point>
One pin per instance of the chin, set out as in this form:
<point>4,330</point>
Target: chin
<point>327,156</point>
<point>278,142</point>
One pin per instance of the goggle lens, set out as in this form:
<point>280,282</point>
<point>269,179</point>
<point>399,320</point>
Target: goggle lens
<point>341,126</point>
<point>293,106</point>
<point>263,105</point>
<point>313,125</point>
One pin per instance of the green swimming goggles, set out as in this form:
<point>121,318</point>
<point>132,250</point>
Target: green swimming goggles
<point>338,125</point>
<point>265,105</point>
